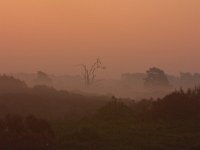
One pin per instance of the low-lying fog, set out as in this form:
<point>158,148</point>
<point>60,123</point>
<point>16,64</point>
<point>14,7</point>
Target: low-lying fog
<point>152,83</point>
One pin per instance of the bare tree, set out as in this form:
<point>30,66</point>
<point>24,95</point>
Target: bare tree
<point>89,73</point>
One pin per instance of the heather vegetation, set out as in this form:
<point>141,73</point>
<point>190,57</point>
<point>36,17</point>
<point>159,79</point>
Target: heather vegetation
<point>43,118</point>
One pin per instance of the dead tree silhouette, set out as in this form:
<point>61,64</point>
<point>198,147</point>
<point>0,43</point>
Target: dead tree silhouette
<point>89,73</point>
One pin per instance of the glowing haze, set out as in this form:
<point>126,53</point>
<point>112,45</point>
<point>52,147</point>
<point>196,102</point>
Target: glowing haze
<point>128,35</point>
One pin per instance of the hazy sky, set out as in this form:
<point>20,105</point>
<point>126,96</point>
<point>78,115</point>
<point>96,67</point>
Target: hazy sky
<point>128,35</point>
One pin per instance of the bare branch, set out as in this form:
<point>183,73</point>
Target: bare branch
<point>89,74</point>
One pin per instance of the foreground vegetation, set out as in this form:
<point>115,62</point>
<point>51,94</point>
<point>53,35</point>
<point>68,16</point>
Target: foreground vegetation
<point>168,123</point>
<point>76,122</point>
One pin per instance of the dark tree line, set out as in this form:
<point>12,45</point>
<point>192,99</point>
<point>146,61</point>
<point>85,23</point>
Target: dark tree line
<point>178,105</point>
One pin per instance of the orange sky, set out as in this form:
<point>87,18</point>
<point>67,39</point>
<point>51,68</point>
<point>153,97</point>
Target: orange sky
<point>128,35</point>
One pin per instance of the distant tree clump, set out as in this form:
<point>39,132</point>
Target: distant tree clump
<point>43,78</point>
<point>156,78</point>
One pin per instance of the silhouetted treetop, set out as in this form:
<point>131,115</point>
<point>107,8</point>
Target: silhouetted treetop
<point>156,78</point>
<point>43,78</point>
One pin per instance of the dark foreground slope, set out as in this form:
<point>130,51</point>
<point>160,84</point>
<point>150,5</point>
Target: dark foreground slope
<point>49,103</point>
<point>76,122</point>
<point>43,101</point>
<point>169,123</point>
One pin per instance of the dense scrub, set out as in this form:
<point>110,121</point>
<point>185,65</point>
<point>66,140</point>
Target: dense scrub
<point>77,122</point>
<point>18,133</point>
<point>168,123</point>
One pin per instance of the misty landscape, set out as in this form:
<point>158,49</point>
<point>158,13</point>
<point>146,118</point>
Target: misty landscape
<point>142,111</point>
<point>154,83</point>
<point>99,75</point>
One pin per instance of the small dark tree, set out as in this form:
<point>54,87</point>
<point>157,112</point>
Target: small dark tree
<point>89,73</point>
<point>156,78</point>
<point>43,78</point>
